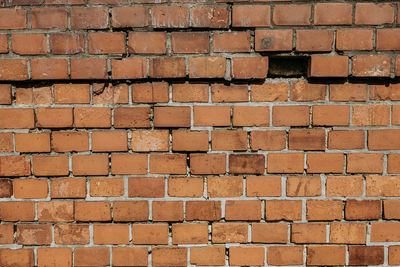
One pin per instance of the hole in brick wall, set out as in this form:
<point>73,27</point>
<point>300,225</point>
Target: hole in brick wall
<point>288,66</point>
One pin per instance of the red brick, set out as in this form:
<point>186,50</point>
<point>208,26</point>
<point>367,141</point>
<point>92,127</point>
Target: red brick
<point>172,116</point>
<point>366,255</point>
<point>247,163</point>
<point>258,186</point>
<point>150,92</point>
<point>371,115</point>
<point>6,188</point>
<point>308,233</point>
<point>88,68</point>
<point>129,256</point>
<point>225,186</point>
<point>70,141</point>
<point>96,164</point>
<point>344,186</point>
<point>273,40</point>
<point>348,92</point>
<point>125,211</point>
<point>67,44</point>
<point>34,234</point>
<point>110,94</point>
<point>232,42</point>
<point>153,187</point>
<point>168,163</point>
<point>150,140</point>
<point>15,166</point>
<point>132,117</point>
<point>374,14</point>
<point>285,163</point>
<point>68,188</point>
<point>55,211</point>
<point>363,209</point>
<point>185,187</point>
<point>354,39</point>
<point>128,164</point>
<point>229,232</point>
<point>49,69</point>
<point>170,16</point>
<point>313,139</point>
<point>71,234</point>
<point>12,19</point>
<point>249,67</point>
<point>246,256</point>
<point>13,69</point>
<point>207,163</point>
<point>207,256</point>
<point>292,15</point>
<point>35,95</point>
<point>329,66</point>
<point>49,18</point>
<point>29,44</point>
<point>314,40</point>
<point>211,115</point>
<point>169,256</point>
<point>377,66</point>
<point>123,17</point>
<point>17,257</point>
<point>203,210</point>
<point>106,187</point>
<point>285,255</point>
<point>50,165</point>
<point>106,43</point>
<point>333,14</point>
<point>190,42</point>
<point>207,67</point>
<point>387,39</point>
<point>288,210</point>
<point>251,16</point>
<point>210,16</point>
<point>267,140</point>
<point>92,211</point>
<point>92,117</point>
<point>183,140</point>
<point>326,255</point>
<point>32,142</point>
<point>89,18</point>
<point>167,67</point>
<point>167,211</point>
<point>147,42</point>
<point>17,211</point>
<point>71,93</point>
<point>290,115</point>
<point>95,256</point>
<point>54,257</point>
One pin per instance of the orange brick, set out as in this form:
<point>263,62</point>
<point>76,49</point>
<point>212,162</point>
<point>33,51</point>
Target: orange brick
<point>92,211</point>
<point>303,186</point>
<point>7,234</point>
<point>34,234</point>
<point>268,140</point>
<point>229,93</point>
<point>344,186</point>
<point>270,92</point>
<point>324,210</point>
<point>314,40</point>
<point>183,140</point>
<point>110,234</point>
<point>95,256</point>
<point>251,16</point>
<point>89,18</point>
<point>250,116</point>
<point>49,18</point>
<point>385,232</point>
<point>109,141</point>
<point>304,91</point>
<point>17,118</point>
<point>326,255</point>
<point>129,68</point>
<point>313,139</point>
<point>129,256</point>
<point>290,116</point>
<point>92,117</point>
<point>285,163</point>
<point>190,233</point>
<point>169,256</point>
<point>363,209</point>
<point>364,163</point>
<point>17,211</point>
<point>124,211</point>
<point>376,66</point>
<point>190,42</point>
<point>68,188</point>
<point>189,92</point>
<point>13,19</point>
<point>146,187</point>
<point>333,14</point>
<point>167,211</point>
<point>147,42</point>
<point>386,186</point>
<point>136,16</point>
<point>291,15</point>
<point>387,39</point>
<point>229,232</point>
<point>71,93</point>
<point>5,93</point>
<point>224,186</point>
<point>390,208</point>
<point>366,255</point>
<point>325,163</point>
<point>346,139</point>
<point>354,39</point>
<point>167,68</point>
<point>207,163</point>
<point>15,166</point>
<point>55,211</point>
<point>348,233</point>
<point>327,115</point>
<point>153,140</point>
<point>289,210</point>
<point>110,94</point>
<point>249,67</point>
<point>6,188</point>
<point>207,256</point>
<point>50,165</point>
<point>49,69</point>
<point>15,257</point>
<point>207,67</point>
<point>211,115</point>
<point>128,164</point>
<point>172,116</point>
<point>71,234</point>
<point>168,163</point>
<point>285,255</point>
<point>132,117</point>
<point>90,164</point>
<point>54,257</point>
<point>246,256</point>
<point>364,14</point>
<point>70,141</point>
<point>32,142</point>
<point>30,188</point>
<point>394,255</point>
<point>243,210</point>
<point>156,234</point>
<point>106,187</point>
<point>329,66</point>
<point>29,44</point>
<point>170,16</point>
<point>383,139</point>
<point>393,161</point>
<point>269,233</point>
<point>54,117</point>
<point>258,186</point>
<point>67,44</point>
<point>308,233</point>
<point>348,92</point>
<point>232,41</point>
<point>203,210</point>
<point>13,69</point>
<point>35,95</point>
<point>384,92</point>
<point>185,187</point>
<point>88,68</point>
<point>210,16</point>
<point>150,92</point>
<point>247,163</point>
<point>273,40</point>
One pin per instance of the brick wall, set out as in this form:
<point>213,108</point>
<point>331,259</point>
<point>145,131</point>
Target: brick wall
<point>192,133</point>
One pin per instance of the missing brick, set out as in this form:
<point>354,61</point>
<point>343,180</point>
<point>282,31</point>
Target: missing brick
<point>288,66</point>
